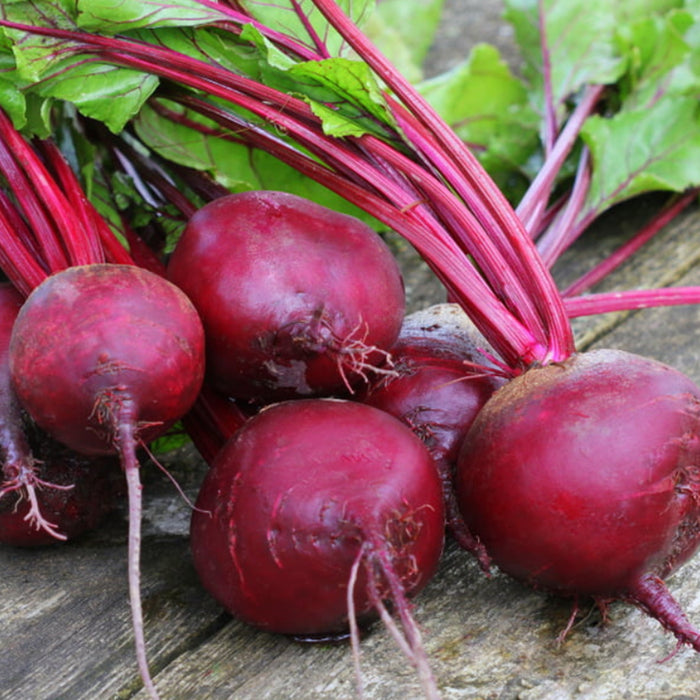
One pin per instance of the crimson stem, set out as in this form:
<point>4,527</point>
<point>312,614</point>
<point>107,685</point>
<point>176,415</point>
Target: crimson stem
<point>490,203</point>
<point>520,345</point>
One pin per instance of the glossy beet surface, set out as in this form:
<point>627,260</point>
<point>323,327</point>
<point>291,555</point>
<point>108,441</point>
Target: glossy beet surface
<point>441,378</point>
<point>297,495</point>
<point>582,477</point>
<point>295,298</point>
<point>92,338</point>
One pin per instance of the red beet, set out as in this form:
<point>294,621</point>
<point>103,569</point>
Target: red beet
<point>296,299</point>
<point>98,346</point>
<point>308,496</point>
<point>581,478</point>
<point>440,380</point>
<point>48,492</point>
<point>105,358</point>
<point>20,481</point>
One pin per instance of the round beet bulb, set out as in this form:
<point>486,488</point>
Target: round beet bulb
<point>105,358</point>
<point>297,300</point>
<point>581,478</point>
<point>314,514</point>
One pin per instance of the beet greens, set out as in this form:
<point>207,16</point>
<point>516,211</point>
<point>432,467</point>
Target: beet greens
<point>311,57</point>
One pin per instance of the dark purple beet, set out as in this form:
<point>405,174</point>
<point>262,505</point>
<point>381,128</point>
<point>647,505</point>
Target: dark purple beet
<point>440,380</point>
<point>315,512</point>
<point>78,493</point>
<point>296,299</point>
<point>581,478</point>
<point>48,493</point>
<point>105,358</point>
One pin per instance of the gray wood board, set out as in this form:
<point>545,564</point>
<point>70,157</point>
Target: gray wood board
<point>66,631</point>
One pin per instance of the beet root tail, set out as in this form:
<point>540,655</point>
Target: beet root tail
<point>406,633</point>
<point>653,597</point>
<point>127,451</point>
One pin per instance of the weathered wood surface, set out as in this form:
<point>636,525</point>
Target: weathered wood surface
<point>65,628</point>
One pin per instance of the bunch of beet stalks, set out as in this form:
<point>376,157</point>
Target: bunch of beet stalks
<point>342,437</point>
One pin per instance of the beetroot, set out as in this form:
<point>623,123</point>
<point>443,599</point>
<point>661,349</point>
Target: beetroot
<point>106,357</point>
<point>48,492</point>
<point>296,299</point>
<point>581,478</point>
<point>315,511</point>
<point>98,347</point>
<point>21,482</point>
<point>441,378</point>
<point>40,502</point>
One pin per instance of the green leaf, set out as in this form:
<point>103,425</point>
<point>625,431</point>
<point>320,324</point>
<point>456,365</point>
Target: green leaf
<point>234,165</point>
<point>404,31</point>
<point>12,96</point>
<point>227,160</point>
<point>108,93</point>
<point>655,148</point>
<point>110,16</point>
<point>48,69</point>
<point>345,89</point>
<point>659,59</point>
<point>12,101</point>
<point>264,62</point>
<point>34,54</point>
<point>488,107</point>
<point>335,124</point>
<point>341,91</point>
<point>580,38</point>
<point>175,439</point>
<point>308,25</point>
<point>222,49</point>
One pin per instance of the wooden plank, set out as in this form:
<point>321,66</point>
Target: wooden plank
<point>664,261</point>
<point>487,638</point>
<point>66,631</point>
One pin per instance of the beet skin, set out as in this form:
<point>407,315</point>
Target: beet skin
<point>304,489</point>
<point>581,478</point>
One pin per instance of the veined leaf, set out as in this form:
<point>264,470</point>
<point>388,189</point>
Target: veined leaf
<point>348,89</point>
<point>35,54</point>
<point>101,91</point>
<point>302,21</point>
<point>488,107</point>
<point>341,91</point>
<point>233,164</point>
<point>404,31</point>
<point>659,59</point>
<point>655,148</point>
<point>580,38</point>
<point>226,159</point>
<point>112,16</point>
<point>13,102</point>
